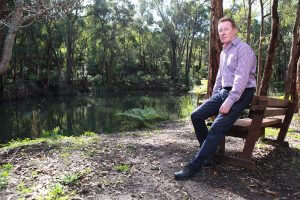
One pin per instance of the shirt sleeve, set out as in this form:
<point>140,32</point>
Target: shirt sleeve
<point>246,60</point>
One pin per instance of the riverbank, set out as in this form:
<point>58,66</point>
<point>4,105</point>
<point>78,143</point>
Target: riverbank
<point>140,165</point>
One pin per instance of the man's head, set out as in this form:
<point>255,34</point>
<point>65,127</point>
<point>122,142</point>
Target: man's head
<point>227,30</point>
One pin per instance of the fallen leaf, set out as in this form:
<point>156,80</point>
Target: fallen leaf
<point>275,194</point>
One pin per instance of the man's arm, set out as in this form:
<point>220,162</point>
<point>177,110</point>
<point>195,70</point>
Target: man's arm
<point>246,61</point>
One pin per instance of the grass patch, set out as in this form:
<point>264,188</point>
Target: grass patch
<point>293,135</point>
<point>57,192</point>
<point>271,132</point>
<point>260,145</point>
<point>23,189</point>
<point>55,137</point>
<point>71,179</point>
<point>186,106</point>
<point>20,142</point>
<point>4,174</point>
<point>123,168</point>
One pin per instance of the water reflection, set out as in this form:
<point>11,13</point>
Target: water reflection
<point>77,114</point>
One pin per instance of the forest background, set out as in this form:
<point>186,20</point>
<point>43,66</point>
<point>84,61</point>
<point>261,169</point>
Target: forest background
<point>65,47</point>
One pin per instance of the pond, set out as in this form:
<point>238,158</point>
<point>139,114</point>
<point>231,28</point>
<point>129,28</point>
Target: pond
<point>78,114</point>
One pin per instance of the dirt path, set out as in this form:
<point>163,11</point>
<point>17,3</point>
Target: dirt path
<point>141,164</point>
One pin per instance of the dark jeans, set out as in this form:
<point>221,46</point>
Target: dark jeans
<point>209,139</point>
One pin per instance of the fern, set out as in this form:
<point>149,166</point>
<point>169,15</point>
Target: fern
<point>139,118</point>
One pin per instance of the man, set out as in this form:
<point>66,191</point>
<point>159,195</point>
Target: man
<point>232,92</point>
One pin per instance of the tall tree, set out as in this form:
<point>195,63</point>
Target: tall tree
<point>261,43</point>
<point>271,50</point>
<point>249,21</point>
<point>215,46</point>
<point>24,15</point>
<point>294,56</point>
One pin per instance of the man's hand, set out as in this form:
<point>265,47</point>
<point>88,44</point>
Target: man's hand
<point>224,109</point>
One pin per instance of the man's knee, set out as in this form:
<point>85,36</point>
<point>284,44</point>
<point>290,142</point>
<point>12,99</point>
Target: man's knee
<point>197,115</point>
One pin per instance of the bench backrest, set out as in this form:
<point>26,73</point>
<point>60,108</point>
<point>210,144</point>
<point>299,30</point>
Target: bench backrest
<point>273,107</point>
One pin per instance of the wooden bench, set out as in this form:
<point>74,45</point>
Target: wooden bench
<point>264,112</point>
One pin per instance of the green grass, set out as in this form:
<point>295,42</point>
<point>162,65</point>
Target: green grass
<point>23,189</point>
<point>71,179</point>
<point>123,168</point>
<point>271,132</point>
<point>4,174</point>
<point>55,137</point>
<point>57,192</point>
<point>186,107</point>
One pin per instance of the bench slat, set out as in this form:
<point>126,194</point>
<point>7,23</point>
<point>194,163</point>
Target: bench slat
<point>272,102</point>
<point>270,112</point>
<point>244,124</point>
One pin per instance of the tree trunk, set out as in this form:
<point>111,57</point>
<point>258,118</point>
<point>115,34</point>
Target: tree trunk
<point>70,49</point>
<point>215,45</point>
<point>249,21</point>
<point>174,60</point>
<point>271,50</point>
<point>260,46</point>
<point>10,37</point>
<point>295,52</point>
<point>3,8</point>
<point>298,79</point>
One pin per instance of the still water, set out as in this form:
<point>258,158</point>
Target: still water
<point>77,114</point>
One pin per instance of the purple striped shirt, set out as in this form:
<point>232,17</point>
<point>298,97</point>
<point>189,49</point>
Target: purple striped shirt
<point>237,70</point>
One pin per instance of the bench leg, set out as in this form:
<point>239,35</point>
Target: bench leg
<point>251,139</point>
<point>286,123</point>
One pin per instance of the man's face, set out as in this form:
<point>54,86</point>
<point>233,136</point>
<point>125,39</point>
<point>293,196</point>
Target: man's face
<point>226,32</point>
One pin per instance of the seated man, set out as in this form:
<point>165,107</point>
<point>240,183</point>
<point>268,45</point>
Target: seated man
<point>232,92</point>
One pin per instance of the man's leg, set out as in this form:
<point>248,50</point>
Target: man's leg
<point>217,132</point>
<point>207,109</point>
<point>220,127</point>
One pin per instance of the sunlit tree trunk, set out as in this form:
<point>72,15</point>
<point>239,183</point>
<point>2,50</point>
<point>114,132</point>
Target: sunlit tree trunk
<point>294,55</point>
<point>249,21</point>
<point>271,50</point>
<point>215,46</point>
<point>2,16</point>
<point>298,79</point>
<point>10,37</point>
<point>260,46</point>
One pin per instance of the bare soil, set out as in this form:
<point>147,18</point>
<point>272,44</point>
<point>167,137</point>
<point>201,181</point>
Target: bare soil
<point>151,158</point>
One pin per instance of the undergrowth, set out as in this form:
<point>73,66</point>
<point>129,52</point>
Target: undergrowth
<point>140,118</point>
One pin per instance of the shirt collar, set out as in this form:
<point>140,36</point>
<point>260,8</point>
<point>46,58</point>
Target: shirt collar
<point>233,42</point>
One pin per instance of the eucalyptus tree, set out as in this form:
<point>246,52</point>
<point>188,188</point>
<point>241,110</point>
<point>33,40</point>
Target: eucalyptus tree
<point>197,24</point>
<point>108,21</point>
<point>182,22</point>
<point>215,45</point>
<point>271,50</point>
<point>23,13</point>
<point>294,56</point>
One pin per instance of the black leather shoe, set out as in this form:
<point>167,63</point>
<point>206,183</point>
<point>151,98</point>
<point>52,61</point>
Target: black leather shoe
<point>186,172</point>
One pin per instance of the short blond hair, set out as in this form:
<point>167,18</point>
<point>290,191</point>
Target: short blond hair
<point>227,19</point>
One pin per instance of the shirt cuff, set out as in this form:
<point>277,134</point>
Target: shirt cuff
<point>228,102</point>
